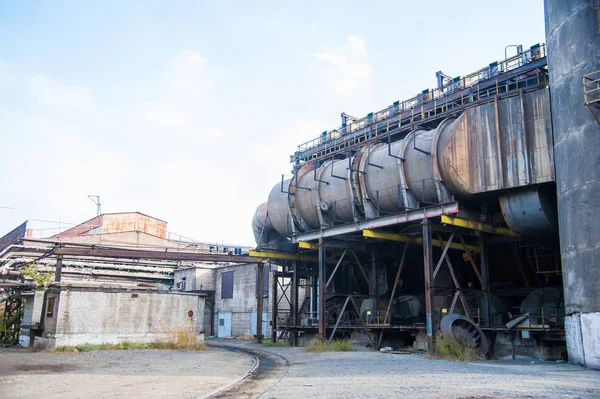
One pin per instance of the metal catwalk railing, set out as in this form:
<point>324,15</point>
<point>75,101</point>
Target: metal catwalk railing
<point>522,71</point>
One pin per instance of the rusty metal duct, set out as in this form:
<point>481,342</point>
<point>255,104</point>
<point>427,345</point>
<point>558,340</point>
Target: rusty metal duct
<point>503,147</point>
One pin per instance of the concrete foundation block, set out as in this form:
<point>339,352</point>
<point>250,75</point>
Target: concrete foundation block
<point>590,333</point>
<point>574,339</point>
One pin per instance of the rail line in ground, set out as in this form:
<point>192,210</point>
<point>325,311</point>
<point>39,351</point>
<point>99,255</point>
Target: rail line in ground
<point>267,371</point>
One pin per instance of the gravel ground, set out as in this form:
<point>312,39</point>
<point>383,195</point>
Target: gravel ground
<point>369,374</point>
<point>360,374</point>
<point>113,374</point>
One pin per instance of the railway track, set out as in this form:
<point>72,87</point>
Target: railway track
<point>267,371</point>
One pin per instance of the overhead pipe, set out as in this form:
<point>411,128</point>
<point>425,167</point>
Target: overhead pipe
<point>461,158</point>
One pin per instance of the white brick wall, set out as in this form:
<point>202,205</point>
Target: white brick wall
<point>111,317</point>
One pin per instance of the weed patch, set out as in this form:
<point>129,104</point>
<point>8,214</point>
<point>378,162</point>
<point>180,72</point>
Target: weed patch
<point>278,344</point>
<point>450,348</point>
<point>337,345</point>
<point>183,337</point>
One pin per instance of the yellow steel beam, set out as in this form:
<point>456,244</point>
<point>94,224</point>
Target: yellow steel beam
<point>475,225</point>
<point>383,235</point>
<point>281,255</point>
<point>307,245</point>
<point>286,256</point>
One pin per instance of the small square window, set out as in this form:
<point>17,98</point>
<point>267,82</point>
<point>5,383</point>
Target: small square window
<point>221,322</point>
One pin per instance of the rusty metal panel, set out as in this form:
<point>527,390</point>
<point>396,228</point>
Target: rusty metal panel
<point>512,137</point>
<point>13,236</point>
<point>500,145</point>
<point>539,136</point>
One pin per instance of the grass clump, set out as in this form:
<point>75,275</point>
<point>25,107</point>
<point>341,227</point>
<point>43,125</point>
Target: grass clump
<point>337,345</point>
<point>182,337</point>
<point>278,344</point>
<point>451,348</point>
<point>247,337</point>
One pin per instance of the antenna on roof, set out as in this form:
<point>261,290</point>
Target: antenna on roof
<point>96,199</point>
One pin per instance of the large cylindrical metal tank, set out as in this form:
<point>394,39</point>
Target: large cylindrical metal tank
<point>502,145</point>
<point>261,225</point>
<point>573,53</point>
<point>501,149</point>
<point>418,166</point>
<point>530,212</point>
<point>381,175</point>
<point>278,208</point>
<point>307,198</point>
<point>336,198</point>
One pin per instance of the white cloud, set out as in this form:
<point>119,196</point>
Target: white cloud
<point>53,96</point>
<point>178,145</point>
<point>348,68</point>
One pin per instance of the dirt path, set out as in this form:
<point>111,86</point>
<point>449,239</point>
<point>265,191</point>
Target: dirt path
<point>118,374</point>
<point>361,374</point>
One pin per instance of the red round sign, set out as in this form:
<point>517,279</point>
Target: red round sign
<point>190,313</point>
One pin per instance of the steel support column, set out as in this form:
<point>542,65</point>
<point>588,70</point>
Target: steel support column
<point>294,302</point>
<point>58,270</point>
<point>274,309</point>
<point>373,290</point>
<point>322,290</point>
<point>259,303</point>
<point>429,289</point>
<point>485,278</point>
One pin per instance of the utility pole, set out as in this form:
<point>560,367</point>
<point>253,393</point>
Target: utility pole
<point>96,200</point>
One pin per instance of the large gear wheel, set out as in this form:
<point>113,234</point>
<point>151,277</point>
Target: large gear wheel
<point>462,328</point>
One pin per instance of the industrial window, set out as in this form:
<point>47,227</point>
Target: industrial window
<point>50,308</point>
<point>183,281</point>
<point>226,285</point>
<point>265,282</point>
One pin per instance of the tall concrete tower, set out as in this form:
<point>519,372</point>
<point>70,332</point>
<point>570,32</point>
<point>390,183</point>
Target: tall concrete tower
<point>573,40</point>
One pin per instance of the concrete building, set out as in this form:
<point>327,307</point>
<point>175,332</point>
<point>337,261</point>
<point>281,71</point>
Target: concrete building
<point>78,313</point>
<point>145,282</point>
<point>232,296</point>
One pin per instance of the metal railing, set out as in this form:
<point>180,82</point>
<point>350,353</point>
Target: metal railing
<point>378,318</point>
<point>541,318</point>
<point>591,89</point>
<point>304,319</point>
<point>444,98</point>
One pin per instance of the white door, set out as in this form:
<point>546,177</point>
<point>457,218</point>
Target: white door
<point>265,323</point>
<point>224,323</point>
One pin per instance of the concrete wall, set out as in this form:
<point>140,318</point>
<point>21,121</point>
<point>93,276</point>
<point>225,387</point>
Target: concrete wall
<point>573,52</point>
<point>84,316</point>
<point>198,278</point>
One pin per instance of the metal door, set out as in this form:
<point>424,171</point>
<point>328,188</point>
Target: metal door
<point>224,323</point>
<point>265,323</point>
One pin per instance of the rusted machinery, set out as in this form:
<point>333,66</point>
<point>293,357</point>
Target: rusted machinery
<point>497,152</point>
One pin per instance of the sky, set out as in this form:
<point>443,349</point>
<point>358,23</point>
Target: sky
<point>188,111</point>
